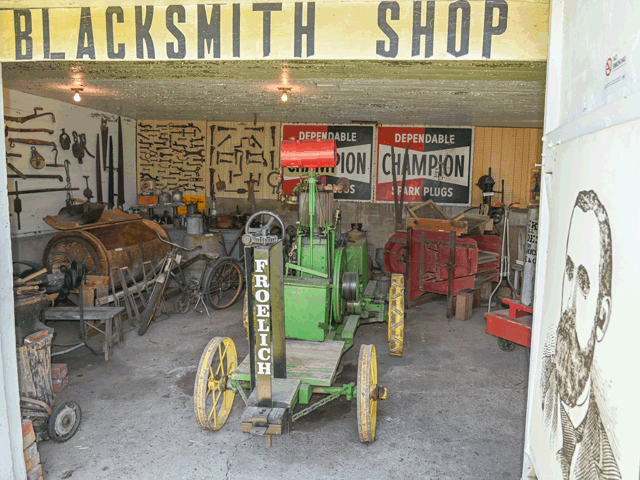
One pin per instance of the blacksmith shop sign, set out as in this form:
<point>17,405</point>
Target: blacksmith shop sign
<point>245,30</point>
<point>438,165</point>
<point>355,157</point>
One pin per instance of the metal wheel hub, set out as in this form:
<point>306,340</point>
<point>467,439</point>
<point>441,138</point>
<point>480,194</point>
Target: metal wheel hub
<point>65,421</point>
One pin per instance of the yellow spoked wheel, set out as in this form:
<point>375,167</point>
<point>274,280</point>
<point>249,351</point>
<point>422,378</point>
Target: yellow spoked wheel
<point>369,392</point>
<point>396,315</point>
<point>212,399</point>
<point>245,315</point>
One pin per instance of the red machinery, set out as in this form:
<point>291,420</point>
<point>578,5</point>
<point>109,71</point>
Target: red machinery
<point>512,325</point>
<point>474,262</point>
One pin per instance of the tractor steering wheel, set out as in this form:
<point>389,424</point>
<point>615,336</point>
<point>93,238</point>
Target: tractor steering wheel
<point>264,228</point>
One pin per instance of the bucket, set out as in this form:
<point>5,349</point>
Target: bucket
<point>195,225</point>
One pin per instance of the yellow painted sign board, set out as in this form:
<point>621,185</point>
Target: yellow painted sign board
<point>365,30</point>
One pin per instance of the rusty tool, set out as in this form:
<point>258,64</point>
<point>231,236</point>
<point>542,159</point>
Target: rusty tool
<point>87,191</point>
<point>98,171</point>
<point>197,153</point>
<point>83,142</point>
<point>144,125</point>
<point>255,129</point>
<point>220,185</point>
<point>65,141</point>
<point>104,132</point>
<point>36,160</point>
<point>255,141</point>
<point>8,129</point>
<point>17,155</point>
<point>17,205</point>
<point>222,160</point>
<point>228,137</point>
<point>242,191</point>
<point>226,129</point>
<point>251,193</point>
<point>31,141</point>
<point>212,179</point>
<point>230,177</point>
<point>45,190</point>
<point>20,174</point>
<point>26,177</point>
<point>273,155</point>
<point>121,199</point>
<point>110,185</point>
<point>77,148</point>
<point>273,136</point>
<point>261,154</point>
<point>35,114</point>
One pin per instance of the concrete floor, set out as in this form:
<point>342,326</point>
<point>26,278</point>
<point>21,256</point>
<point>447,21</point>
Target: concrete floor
<point>456,410</point>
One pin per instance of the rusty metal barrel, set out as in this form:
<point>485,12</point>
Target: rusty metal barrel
<point>106,246</point>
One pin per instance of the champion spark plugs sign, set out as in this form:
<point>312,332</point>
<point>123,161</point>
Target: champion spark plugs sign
<point>355,158</point>
<point>438,165</point>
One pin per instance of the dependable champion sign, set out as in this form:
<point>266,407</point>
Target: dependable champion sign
<point>365,30</point>
<point>437,162</point>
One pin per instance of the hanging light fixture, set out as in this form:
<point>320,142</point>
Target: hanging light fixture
<point>76,96</point>
<point>285,91</point>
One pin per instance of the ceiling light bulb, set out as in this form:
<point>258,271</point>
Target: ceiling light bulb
<point>77,97</point>
<point>284,97</point>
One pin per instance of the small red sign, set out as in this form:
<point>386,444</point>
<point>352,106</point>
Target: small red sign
<point>609,67</point>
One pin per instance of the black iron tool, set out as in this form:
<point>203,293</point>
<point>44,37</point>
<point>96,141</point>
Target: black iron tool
<point>104,131</point>
<point>77,149</point>
<point>83,142</point>
<point>120,165</point>
<point>87,191</point>
<point>20,174</point>
<point>35,114</point>
<point>255,129</point>
<point>110,168</point>
<point>98,171</point>
<point>17,205</point>
<point>273,136</point>
<point>65,141</point>
<point>25,177</point>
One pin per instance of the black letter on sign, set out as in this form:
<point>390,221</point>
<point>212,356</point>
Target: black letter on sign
<point>309,30</point>
<point>209,31</point>
<point>453,27</point>
<point>182,47</point>
<point>426,29</point>
<point>118,12</point>
<point>387,30</point>
<point>489,29</point>
<point>142,32</point>
<point>86,31</point>
<point>23,35</point>
<point>236,30</point>
<point>46,38</point>
<point>266,9</point>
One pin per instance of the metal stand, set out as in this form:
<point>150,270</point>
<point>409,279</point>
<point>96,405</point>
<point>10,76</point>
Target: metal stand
<point>505,259</point>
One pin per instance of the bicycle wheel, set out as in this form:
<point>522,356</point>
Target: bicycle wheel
<point>223,283</point>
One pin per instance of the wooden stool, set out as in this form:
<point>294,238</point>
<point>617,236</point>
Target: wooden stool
<point>107,315</point>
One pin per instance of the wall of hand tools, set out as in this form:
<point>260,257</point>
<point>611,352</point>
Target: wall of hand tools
<point>199,157</point>
<point>54,151</point>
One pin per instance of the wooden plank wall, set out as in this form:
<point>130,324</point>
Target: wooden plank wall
<point>511,153</point>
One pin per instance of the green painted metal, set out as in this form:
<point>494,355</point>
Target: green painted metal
<point>319,252</point>
<point>306,306</point>
<point>307,270</point>
<point>357,258</point>
<point>305,393</point>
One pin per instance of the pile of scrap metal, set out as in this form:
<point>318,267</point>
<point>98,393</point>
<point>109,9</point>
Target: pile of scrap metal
<point>442,256</point>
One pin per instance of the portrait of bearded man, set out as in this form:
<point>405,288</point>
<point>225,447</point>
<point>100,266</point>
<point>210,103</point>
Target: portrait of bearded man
<point>569,403</point>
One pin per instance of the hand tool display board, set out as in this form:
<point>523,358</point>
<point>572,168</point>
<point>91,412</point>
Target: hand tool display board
<point>238,153</point>
<point>172,153</point>
<point>355,154</point>
<point>51,146</point>
<point>438,166</point>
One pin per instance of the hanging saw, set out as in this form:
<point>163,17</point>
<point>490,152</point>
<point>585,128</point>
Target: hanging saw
<point>104,132</point>
<point>8,129</point>
<point>30,117</point>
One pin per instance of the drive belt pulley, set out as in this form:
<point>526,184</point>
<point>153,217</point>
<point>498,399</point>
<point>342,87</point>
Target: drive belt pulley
<point>350,285</point>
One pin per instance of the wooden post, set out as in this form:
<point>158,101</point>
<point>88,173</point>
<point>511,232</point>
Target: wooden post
<point>34,367</point>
